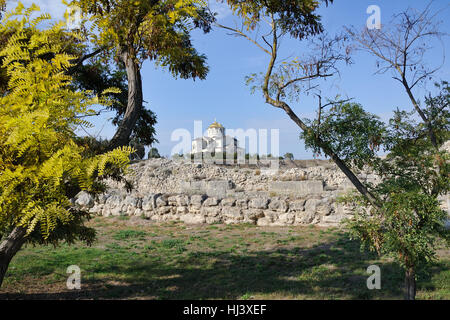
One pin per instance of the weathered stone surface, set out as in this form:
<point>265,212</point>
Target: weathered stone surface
<point>193,219</point>
<point>311,205</point>
<point>258,203</point>
<point>333,219</point>
<point>271,215</point>
<point>197,200</point>
<point>212,188</point>
<point>161,201</point>
<point>211,202</point>
<point>172,201</point>
<point>182,210</point>
<point>278,205</point>
<point>117,211</point>
<point>113,201</point>
<point>228,202</point>
<point>305,217</point>
<point>297,205</point>
<point>232,213</point>
<point>182,200</point>
<point>84,200</point>
<point>242,203</point>
<point>289,196</point>
<point>253,214</point>
<point>131,204</point>
<point>210,211</point>
<point>213,220</point>
<point>149,202</point>
<point>301,188</point>
<point>286,219</point>
<point>101,198</point>
<point>163,210</point>
<point>264,222</point>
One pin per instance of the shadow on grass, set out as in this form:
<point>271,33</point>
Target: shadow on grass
<point>332,270</point>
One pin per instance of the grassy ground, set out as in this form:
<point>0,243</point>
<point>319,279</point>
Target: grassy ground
<point>137,259</point>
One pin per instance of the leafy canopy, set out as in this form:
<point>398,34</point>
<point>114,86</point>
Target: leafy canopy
<point>298,17</point>
<point>41,166</point>
<point>410,222</point>
<point>156,30</point>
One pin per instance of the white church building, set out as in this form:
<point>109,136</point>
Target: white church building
<point>216,142</point>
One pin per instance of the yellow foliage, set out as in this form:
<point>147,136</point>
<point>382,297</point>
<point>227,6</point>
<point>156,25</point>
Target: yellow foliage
<point>39,161</point>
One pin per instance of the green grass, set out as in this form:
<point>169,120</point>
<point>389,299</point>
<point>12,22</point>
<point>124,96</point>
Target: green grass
<point>129,234</point>
<point>139,259</point>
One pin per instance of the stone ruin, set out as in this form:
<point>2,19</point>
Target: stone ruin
<point>300,193</point>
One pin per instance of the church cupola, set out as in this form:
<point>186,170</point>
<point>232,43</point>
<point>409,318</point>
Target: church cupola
<point>216,130</point>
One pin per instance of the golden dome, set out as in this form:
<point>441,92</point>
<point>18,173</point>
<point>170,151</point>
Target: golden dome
<point>215,124</point>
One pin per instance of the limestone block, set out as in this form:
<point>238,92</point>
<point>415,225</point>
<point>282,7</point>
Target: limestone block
<point>130,204</point>
<point>232,213</point>
<point>297,205</point>
<point>346,185</point>
<point>117,211</point>
<point>192,219</point>
<point>333,220</point>
<point>324,207</point>
<point>161,201</point>
<point>212,188</point>
<point>156,218</point>
<point>311,205</point>
<point>149,202</point>
<point>253,214</point>
<point>148,214</point>
<point>172,201</point>
<point>106,212</point>
<point>101,198</point>
<point>84,200</point>
<point>286,218</point>
<point>96,209</point>
<point>259,203</point>
<point>343,210</point>
<point>302,188</point>
<point>263,222</point>
<point>197,200</point>
<point>211,202</point>
<point>182,210</point>
<point>210,211</point>
<point>163,210</point>
<point>272,215</point>
<point>182,200</point>
<point>212,220</point>
<point>305,217</point>
<point>242,203</point>
<point>228,202</point>
<point>278,205</point>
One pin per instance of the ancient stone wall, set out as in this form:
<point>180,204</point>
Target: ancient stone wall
<point>165,190</point>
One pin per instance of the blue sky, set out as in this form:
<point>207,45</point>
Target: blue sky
<point>224,95</point>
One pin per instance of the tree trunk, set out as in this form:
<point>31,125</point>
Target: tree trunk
<point>8,249</point>
<point>421,114</point>
<point>336,159</point>
<point>135,101</point>
<point>410,284</point>
<point>283,105</point>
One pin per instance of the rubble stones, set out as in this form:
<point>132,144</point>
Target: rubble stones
<point>166,190</point>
